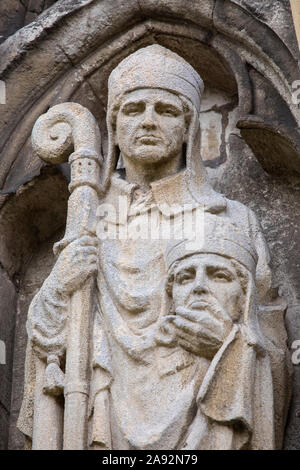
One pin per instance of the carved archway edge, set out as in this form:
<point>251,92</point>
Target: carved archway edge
<point>57,48</point>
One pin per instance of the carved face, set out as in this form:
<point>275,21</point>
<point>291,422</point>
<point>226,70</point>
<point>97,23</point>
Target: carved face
<point>150,125</point>
<point>208,282</point>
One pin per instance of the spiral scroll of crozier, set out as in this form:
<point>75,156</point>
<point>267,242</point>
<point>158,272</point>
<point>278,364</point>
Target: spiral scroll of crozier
<point>65,128</point>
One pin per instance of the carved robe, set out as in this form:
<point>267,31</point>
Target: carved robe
<point>147,397</point>
<point>148,394</point>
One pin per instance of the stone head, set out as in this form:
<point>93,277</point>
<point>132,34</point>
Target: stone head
<point>151,125</point>
<point>154,99</point>
<point>208,282</point>
<point>217,274</point>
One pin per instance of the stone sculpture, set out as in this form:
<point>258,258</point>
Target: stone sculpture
<point>139,365</point>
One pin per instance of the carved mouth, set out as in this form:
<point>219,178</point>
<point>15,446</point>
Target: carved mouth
<point>149,139</point>
<point>198,305</point>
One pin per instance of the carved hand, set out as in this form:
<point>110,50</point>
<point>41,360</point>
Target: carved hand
<point>196,331</point>
<point>75,264</point>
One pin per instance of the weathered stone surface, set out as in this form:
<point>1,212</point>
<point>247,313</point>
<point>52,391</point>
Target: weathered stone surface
<point>202,11</point>
<point>30,282</point>
<point>291,441</point>
<point>4,427</point>
<point>218,120</point>
<point>277,15</point>
<point>7,330</point>
<point>51,46</point>
<point>14,14</point>
<point>38,70</point>
<point>273,199</point>
<point>296,17</point>
<point>12,18</point>
<point>191,342</point>
<point>34,212</point>
<point>42,202</point>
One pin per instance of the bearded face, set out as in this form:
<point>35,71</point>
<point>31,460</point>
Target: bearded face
<point>208,284</point>
<point>208,293</point>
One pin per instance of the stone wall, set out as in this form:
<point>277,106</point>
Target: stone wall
<point>15,14</point>
<point>31,221</point>
<point>7,328</point>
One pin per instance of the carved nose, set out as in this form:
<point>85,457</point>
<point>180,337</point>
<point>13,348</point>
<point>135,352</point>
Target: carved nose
<point>200,286</point>
<point>149,122</point>
<point>200,289</point>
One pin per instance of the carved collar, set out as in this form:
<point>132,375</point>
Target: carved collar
<point>170,194</point>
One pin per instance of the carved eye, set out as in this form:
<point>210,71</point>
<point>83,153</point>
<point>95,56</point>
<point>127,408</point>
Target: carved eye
<point>169,112</point>
<point>133,109</point>
<point>166,110</point>
<point>184,277</point>
<point>221,275</point>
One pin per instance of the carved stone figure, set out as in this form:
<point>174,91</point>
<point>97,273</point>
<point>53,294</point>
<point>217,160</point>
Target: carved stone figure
<point>213,316</point>
<point>169,348</point>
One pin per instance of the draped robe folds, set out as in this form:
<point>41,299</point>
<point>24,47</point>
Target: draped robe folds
<point>145,396</point>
